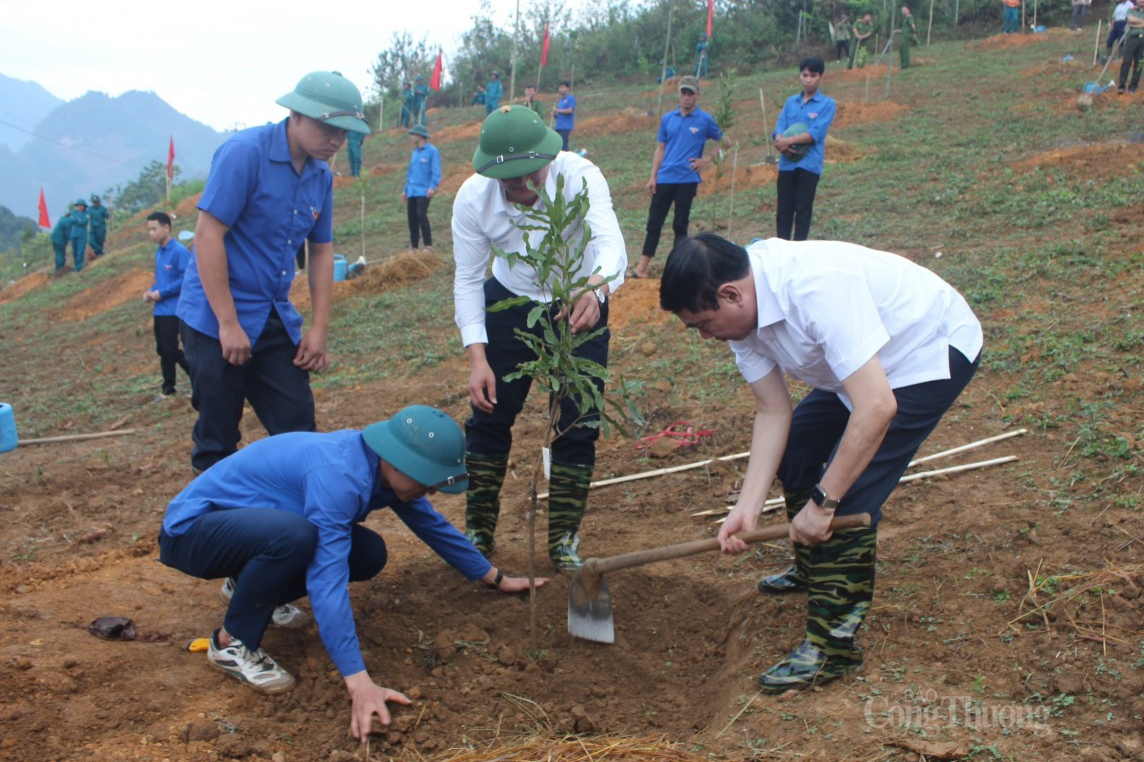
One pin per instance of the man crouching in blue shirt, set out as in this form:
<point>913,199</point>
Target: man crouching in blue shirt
<point>282,519</point>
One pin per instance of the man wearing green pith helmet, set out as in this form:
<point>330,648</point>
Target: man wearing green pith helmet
<point>78,234</point>
<point>284,519</point>
<point>99,215</point>
<point>270,189</point>
<point>517,157</point>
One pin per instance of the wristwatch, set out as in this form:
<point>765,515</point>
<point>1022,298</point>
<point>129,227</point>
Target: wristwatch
<point>818,495</point>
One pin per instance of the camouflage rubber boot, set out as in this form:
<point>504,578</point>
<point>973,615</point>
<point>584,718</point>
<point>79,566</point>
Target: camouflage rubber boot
<point>793,579</point>
<point>486,474</point>
<point>840,590</point>
<point>567,499</point>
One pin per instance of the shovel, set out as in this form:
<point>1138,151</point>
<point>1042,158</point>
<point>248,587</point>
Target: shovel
<point>771,158</point>
<point>590,602</point>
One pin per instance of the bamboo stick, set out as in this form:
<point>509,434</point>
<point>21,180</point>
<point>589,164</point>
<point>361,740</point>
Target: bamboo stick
<point>741,455</point>
<point>75,437</point>
<point>1096,44</point>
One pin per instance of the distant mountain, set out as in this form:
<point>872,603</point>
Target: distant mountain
<point>24,104</point>
<point>96,142</point>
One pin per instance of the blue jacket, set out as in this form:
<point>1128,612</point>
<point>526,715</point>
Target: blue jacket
<point>335,482</point>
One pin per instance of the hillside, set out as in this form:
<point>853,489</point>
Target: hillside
<point>1007,623</point>
<point>95,142</point>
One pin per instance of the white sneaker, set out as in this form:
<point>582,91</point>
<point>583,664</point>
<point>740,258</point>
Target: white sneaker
<point>285,616</point>
<point>255,668</point>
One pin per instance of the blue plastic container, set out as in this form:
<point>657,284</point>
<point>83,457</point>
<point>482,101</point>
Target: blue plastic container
<point>8,440</point>
<point>339,267</point>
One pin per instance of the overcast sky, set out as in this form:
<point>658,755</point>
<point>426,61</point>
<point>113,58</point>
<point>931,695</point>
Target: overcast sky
<point>222,62</point>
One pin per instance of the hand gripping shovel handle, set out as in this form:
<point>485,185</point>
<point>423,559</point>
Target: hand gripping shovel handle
<point>600,566</point>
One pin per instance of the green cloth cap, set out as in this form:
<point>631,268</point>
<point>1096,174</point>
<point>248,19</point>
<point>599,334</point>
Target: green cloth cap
<point>328,97</point>
<point>515,142</point>
<point>424,444</point>
<point>81,202</point>
<point>797,129</point>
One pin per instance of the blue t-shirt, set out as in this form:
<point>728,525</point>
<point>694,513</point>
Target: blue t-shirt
<point>683,138</point>
<point>171,261</point>
<point>334,481</point>
<point>424,171</point>
<point>817,113</point>
<point>566,121</point>
<point>254,189</point>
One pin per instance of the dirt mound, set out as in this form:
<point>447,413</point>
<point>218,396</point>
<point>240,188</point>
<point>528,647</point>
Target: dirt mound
<point>637,302</point>
<point>750,176</point>
<point>850,113</point>
<point>107,294</point>
<point>406,267</point>
<point>453,176</point>
<point>23,286</point>
<point>1008,41</point>
<point>628,120</point>
<point>1087,161</point>
<point>380,170</point>
<point>460,132</point>
<point>188,206</point>
<point>344,181</point>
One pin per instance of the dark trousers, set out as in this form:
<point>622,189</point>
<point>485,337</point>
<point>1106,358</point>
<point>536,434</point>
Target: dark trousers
<point>1133,51</point>
<point>666,194</point>
<point>1076,21</point>
<point>1115,34</point>
<point>795,204</point>
<point>842,49</point>
<point>565,135</point>
<point>819,420</point>
<point>167,347</point>
<point>417,210</point>
<point>267,551</point>
<point>278,391</point>
<point>98,236</point>
<point>491,433</point>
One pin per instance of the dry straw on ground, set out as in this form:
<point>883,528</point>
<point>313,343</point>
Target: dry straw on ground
<point>580,750</point>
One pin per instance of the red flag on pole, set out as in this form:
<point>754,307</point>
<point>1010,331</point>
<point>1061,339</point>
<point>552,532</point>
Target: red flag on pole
<point>45,221</point>
<point>710,16</point>
<point>435,80</point>
<point>544,49</point>
<point>171,160</point>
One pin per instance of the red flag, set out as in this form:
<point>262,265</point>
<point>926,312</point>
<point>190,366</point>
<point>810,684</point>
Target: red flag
<point>435,80</point>
<point>710,16</point>
<point>45,221</point>
<point>171,160</point>
<point>544,49</point>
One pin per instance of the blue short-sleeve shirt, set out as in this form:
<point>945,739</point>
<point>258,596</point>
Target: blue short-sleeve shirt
<point>816,113</point>
<point>683,138</point>
<point>271,209</point>
<point>566,121</point>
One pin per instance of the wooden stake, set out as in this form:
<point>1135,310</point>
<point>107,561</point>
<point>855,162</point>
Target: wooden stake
<point>1096,43</point>
<point>363,225</point>
<point>734,171</point>
<point>75,437</point>
<point>929,28</point>
<point>970,446</point>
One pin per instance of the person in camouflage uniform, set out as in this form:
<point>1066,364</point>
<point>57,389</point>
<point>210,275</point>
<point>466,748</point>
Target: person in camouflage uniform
<point>863,28</point>
<point>886,347</point>
<point>909,36</point>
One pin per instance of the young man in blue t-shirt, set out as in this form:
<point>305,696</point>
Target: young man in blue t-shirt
<point>171,260</point>
<point>270,189</point>
<point>801,155</point>
<point>564,114</point>
<point>675,167</point>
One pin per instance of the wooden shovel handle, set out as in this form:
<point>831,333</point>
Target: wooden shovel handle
<point>599,566</point>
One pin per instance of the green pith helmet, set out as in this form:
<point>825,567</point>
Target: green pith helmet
<point>421,130</point>
<point>514,142</point>
<point>328,97</point>
<point>797,129</point>
<point>424,444</point>
<point>81,202</point>
<point>94,199</point>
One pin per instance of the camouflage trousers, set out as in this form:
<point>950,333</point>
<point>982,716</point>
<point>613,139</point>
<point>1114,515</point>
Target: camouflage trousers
<point>567,501</point>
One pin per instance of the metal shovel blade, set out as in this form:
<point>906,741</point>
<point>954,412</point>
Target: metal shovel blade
<point>590,606</point>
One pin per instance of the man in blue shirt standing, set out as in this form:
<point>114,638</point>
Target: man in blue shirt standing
<point>421,183</point>
<point>283,519</point>
<point>494,91</point>
<point>801,154</point>
<point>171,260</point>
<point>269,190</point>
<point>675,167</point>
<point>565,113</point>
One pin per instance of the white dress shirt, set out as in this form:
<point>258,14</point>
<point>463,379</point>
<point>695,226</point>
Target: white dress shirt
<point>482,219</point>
<point>827,307</point>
